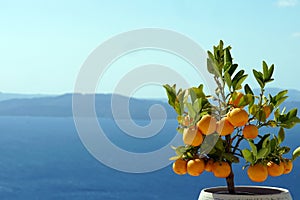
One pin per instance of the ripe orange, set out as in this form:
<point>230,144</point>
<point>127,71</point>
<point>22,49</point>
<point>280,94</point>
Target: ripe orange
<point>250,131</point>
<point>208,165</point>
<point>224,127</point>
<point>195,167</point>
<point>288,166</point>
<point>257,173</point>
<point>179,167</point>
<point>221,169</point>
<point>207,124</point>
<point>238,117</point>
<point>274,169</point>
<point>267,110</point>
<point>192,136</point>
<point>236,101</point>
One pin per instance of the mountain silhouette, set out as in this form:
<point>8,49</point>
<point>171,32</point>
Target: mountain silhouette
<point>61,106</point>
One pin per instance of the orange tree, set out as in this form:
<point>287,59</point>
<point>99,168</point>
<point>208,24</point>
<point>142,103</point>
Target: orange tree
<point>213,127</point>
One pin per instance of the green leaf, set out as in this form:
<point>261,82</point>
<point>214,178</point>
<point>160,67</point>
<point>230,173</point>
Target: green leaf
<point>273,144</point>
<point>175,157</point>
<point>212,67</point>
<point>279,98</point>
<point>221,44</point>
<point>180,130</point>
<point>253,147</point>
<point>191,111</point>
<point>179,103</point>
<point>262,153</point>
<point>259,78</point>
<point>199,91</point>
<point>193,95</point>
<point>189,155</point>
<point>171,92</point>
<point>247,154</point>
<point>272,123</point>
<point>248,89</point>
<point>270,73</point>
<point>253,109</point>
<point>232,69</point>
<point>296,153</point>
<point>277,114</point>
<point>268,81</point>
<point>238,75</point>
<point>281,135</point>
<point>264,141</point>
<point>227,55</point>
<point>280,101</point>
<point>281,94</point>
<point>260,116</point>
<point>290,123</point>
<point>287,120</point>
<point>245,100</point>
<point>227,79</point>
<point>238,84</point>
<point>197,105</point>
<point>292,113</point>
<point>238,79</point>
<point>283,150</point>
<point>219,145</point>
<point>180,150</point>
<point>265,70</point>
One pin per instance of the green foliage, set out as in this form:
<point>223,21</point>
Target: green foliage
<point>266,149</point>
<point>279,98</point>
<point>296,153</point>
<point>264,77</point>
<point>175,99</point>
<point>286,120</point>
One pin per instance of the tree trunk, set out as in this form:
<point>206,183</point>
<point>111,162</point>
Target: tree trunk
<point>230,182</point>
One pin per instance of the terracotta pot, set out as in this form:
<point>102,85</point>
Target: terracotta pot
<point>246,193</point>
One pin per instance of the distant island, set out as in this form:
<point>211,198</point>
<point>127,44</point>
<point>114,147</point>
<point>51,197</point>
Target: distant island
<point>61,105</point>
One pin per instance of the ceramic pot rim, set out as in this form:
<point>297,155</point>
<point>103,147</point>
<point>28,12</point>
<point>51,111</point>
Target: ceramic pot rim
<point>258,191</point>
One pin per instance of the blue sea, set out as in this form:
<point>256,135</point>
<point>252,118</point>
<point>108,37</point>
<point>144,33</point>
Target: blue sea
<point>43,158</point>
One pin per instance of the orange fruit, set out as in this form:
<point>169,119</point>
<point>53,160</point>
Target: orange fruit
<point>221,169</point>
<point>237,99</point>
<point>257,173</point>
<point>288,166</point>
<point>207,124</point>
<point>224,127</point>
<point>267,110</point>
<point>192,136</point>
<point>274,169</point>
<point>179,167</point>
<point>250,131</point>
<point>195,167</point>
<point>208,165</point>
<point>238,117</point>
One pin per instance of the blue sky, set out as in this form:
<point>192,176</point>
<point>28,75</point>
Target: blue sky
<point>44,43</point>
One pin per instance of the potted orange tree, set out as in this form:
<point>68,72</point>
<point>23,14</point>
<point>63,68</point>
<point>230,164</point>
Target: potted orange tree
<point>215,127</point>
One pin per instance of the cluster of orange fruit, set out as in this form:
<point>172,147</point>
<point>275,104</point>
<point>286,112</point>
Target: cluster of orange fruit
<point>208,124</point>
<point>237,117</point>
<point>197,166</point>
<point>260,172</point>
<point>256,173</point>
